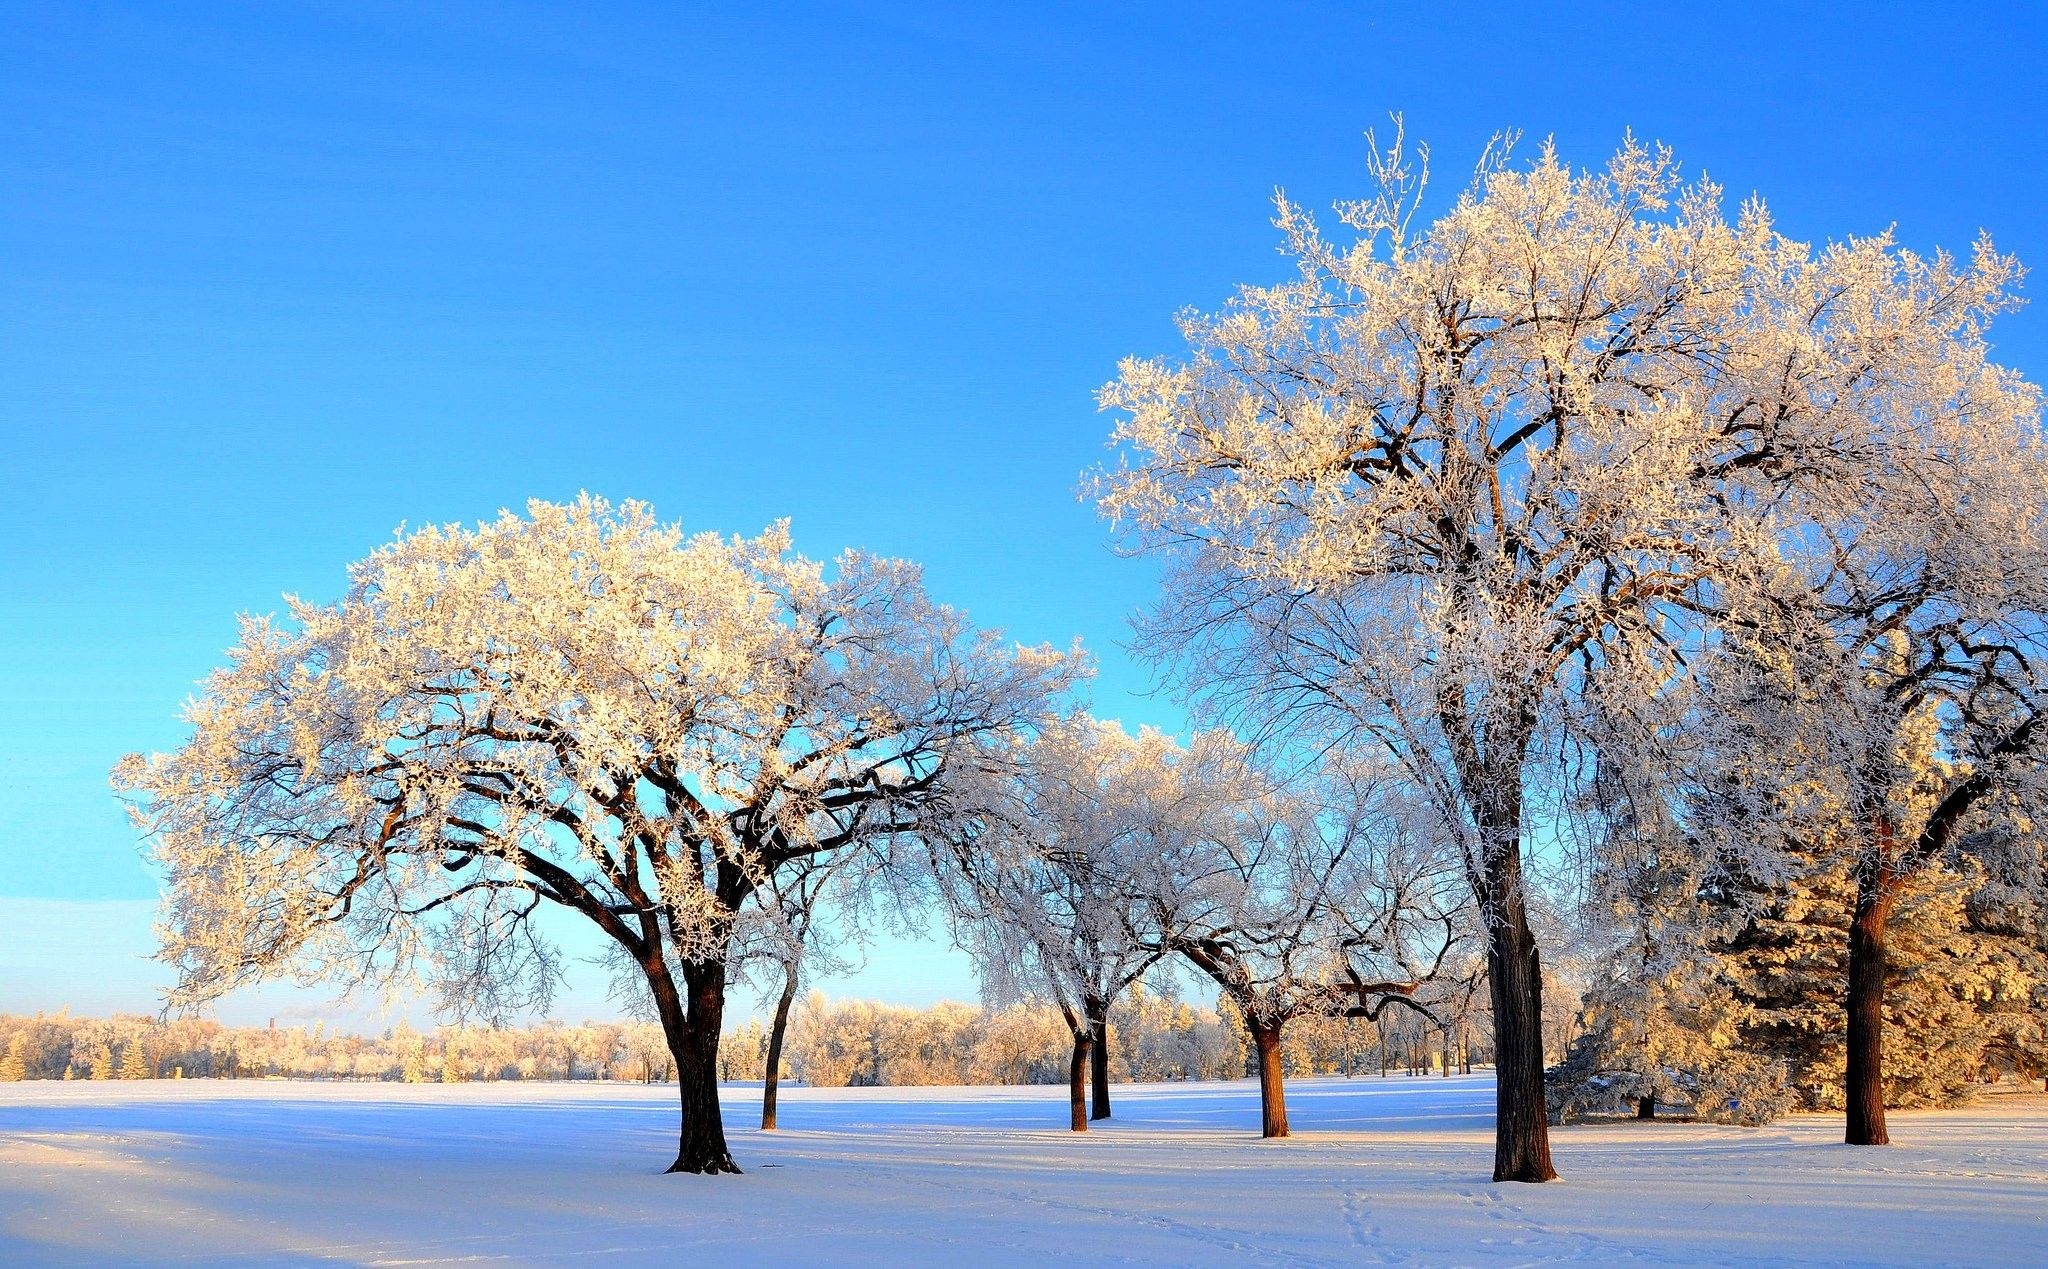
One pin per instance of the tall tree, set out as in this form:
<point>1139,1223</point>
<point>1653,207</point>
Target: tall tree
<point>1894,699</point>
<point>579,708</point>
<point>1439,485</point>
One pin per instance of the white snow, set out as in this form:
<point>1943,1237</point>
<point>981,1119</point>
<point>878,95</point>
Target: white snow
<point>1381,1171</point>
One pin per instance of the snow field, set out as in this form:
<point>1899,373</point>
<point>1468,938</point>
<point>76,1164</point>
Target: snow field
<point>1381,1171</point>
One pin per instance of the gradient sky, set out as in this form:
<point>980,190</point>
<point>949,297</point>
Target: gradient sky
<point>274,281</point>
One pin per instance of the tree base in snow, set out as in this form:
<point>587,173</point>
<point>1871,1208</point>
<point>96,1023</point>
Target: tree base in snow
<point>715,1167</point>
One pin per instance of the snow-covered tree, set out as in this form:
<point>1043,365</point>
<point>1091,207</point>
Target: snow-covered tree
<point>1662,1023</point>
<point>1945,984</point>
<point>134,1064</point>
<point>1725,897</point>
<point>1047,891</point>
<point>1888,693</point>
<point>1160,1037</point>
<point>578,707</point>
<point>786,939</point>
<point>1325,896</point>
<point>14,1062</point>
<point>1442,484</point>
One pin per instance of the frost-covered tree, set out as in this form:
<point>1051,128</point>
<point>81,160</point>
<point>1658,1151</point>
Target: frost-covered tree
<point>1441,484</point>
<point>2014,922</point>
<point>1946,991</point>
<point>1734,1005</point>
<point>1325,896</point>
<point>1662,1034</point>
<point>1662,1024</point>
<point>788,940</point>
<point>777,940</point>
<point>1047,892</point>
<point>134,1064</point>
<point>1160,1037</point>
<point>1887,691</point>
<point>578,707</point>
<point>1723,921</point>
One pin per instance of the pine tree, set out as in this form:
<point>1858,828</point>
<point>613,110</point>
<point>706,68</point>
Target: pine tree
<point>1728,959</point>
<point>1663,1026</point>
<point>134,1066</point>
<point>101,1061</point>
<point>14,1065</point>
<point>1944,982</point>
<point>2012,930</point>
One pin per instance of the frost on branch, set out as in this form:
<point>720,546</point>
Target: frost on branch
<point>579,707</point>
<point>1333,894</point>
<point>1048,883</point>
<point>1440,486</point>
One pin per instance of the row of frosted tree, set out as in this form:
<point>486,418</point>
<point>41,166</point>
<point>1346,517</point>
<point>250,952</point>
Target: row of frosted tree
<point>1583,532</point>
<point>831,1044</point>
<point>63,1047</point>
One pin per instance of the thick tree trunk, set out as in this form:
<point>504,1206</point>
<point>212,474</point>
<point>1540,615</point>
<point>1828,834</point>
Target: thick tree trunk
<point>693,1039</point>
<point>1272,1089</point>
<point>1098,1027</point>
<point>771,1072</point>
<point>1646,1106</point>
<point>1521,1129</point>
<point>1864,1081</point>
<point>1077,1077</point>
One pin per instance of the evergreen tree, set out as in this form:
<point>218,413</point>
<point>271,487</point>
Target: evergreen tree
<point>14,1064</point>
<point>1667,1036</point>
<point>134,1066</point>
<point>1945,983</point>
<point>1662,1026</point>
<point>2013,930</point>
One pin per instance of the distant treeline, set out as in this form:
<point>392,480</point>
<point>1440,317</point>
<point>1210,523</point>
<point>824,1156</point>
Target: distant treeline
<point>830,1043</point>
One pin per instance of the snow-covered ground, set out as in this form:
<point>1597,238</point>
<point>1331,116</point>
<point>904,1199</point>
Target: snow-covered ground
<point>1380,1171</point>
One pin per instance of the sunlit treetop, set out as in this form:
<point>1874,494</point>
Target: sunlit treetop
<point>579,706</point>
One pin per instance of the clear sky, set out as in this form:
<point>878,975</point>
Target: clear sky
<point>277,279</point>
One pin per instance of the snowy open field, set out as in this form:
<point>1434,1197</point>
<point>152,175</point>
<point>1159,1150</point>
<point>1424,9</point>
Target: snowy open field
<point>1382,1171</point>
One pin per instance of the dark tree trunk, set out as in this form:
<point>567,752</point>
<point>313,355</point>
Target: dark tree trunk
<point>1864,1081</point>
<point>1272,1089</point>
<point>1646,1106</point>
<point>693,1038</point>
<point>1521,1128</point>
<point>1098,1027</point>
<point>771,1072</point>
<point>1077,1076</point>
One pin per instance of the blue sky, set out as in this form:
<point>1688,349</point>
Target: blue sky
<point>274,280</point>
